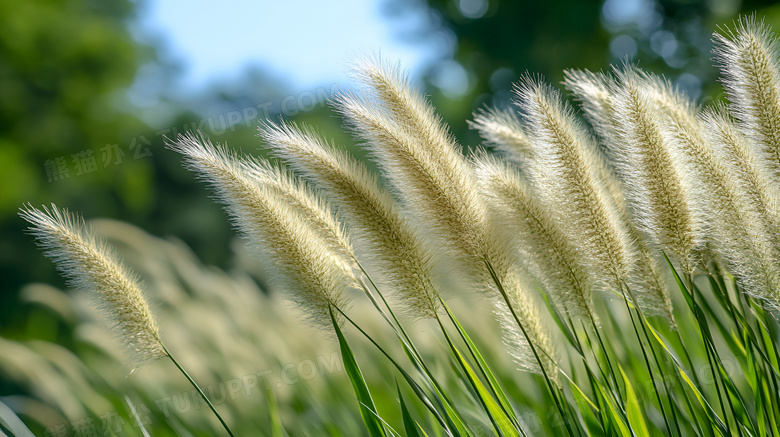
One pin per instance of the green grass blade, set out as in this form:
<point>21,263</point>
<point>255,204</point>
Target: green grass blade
<point>453,416</point>
<point>735,344</point>
<point>586,408</point>
<point>556,316</point>
<point>368,409</point>
<point>500,420</point>
<point>273,412</point>
<point>553,390</point>
<point>614,420</point>
<point>754,379</point>
<point>484,368</point>
<point>392,430</point>
<point>410,426</point>
<point>736,399</point>
<point>633,409</point>
<point>444,420</point>
<point>648,366</point>
<point>579,391</point>
<point>711,413</point>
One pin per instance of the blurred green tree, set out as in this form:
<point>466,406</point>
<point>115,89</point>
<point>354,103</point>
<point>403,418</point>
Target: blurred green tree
<point>63,122</point>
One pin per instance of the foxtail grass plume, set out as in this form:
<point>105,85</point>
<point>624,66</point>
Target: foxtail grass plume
<point>273,222</point>
<point>566,172</point>
<point>650,167</point>
<point>423,162</point>
<point>554,258</point>
<point>748,60</point>
<point>304,201</point>
<point>593,91</point>
<point>89,264</point>
<point>728,209</point>
<point>556,261</point>
<point>746,234</point>
<point>752,178</point>
<point>708,179</point>
<point>502,129</point>
<point>417,154</point>
<point>527,310</point>
<point>391,244</point>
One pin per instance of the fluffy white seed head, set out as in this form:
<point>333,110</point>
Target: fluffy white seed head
<point>739,223</point>
<point>748,60</point>
<point>419,159</point>
<point>651,170</point>
<point>592,92</point>
<point>704,174</point>
<point>503,130</point>
<point>650,282</point>
<point>301,198</point>
<point>752,178</point>
<point>745,228</point>
<point>567,170</point>
<point>528,310</point>
<point>555,261</point>
<point>393,246</point>
<point>408,108</point>
<point>280,228</point>
<point>91,265</point>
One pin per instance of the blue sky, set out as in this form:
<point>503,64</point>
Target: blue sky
<point>308,43</point>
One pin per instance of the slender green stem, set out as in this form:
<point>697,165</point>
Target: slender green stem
<point>694,373</point>
<point>474,383</point>
<point>194,384</point>
<point>547,379</point>
<point>647,362</point>
<point>396,325</point>
<point>592,349</point>
<point>618,393</point>
<point>484,371</point>
<point>591,379</point>
<point>715,375</point>
<point>406,376</point>
<point>767,345</point>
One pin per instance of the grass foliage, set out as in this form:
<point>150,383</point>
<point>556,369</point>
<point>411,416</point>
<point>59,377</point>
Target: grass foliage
<point>630,264</point>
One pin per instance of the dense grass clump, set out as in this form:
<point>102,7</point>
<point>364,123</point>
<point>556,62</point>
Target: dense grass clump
<point>631,261</point>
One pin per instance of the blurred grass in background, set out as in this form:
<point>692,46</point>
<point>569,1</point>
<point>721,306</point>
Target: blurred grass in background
<point>69,134</point>
<point>237,341</point>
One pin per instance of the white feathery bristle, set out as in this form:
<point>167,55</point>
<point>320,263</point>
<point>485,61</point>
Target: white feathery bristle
<point>91,265</point>
<point>568,173</point>
<point>503,130</point>
<point>743,224</point>
<point>555,260</point>
<point>280,228</point>
<point>422,161</point>
<point>749,62</point>
<point>395,252</point>
<point>651,169</point>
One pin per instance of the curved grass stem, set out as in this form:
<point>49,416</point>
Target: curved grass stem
<point>547,379</point>
<point>200,392</point>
